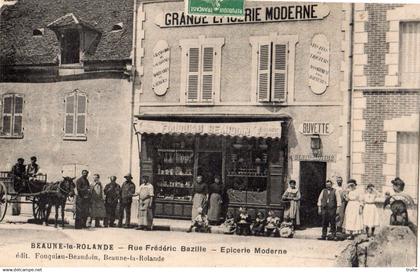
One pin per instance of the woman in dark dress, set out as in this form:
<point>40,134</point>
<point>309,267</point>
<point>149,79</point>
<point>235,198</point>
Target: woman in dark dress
<point>200,196</point>
<point>215,201</point>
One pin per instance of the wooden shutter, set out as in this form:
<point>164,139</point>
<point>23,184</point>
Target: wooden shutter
<point>193,74</point>
<point>7,114</point>
<point>408,161</point>
<point>70,112</point>
<point>279,73</point>
<point>264,54</point>
<point>410,54</point>
<point>81,114</point>
<point>208,74</point>
<point>17,115</point>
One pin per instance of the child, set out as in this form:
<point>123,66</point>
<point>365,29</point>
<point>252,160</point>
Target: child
<point>272,225</point>
<point>200,222</point>
<point>286,229</point>
<point>370,212</point>
<point>229,225</point>
<point>243,222</point>
<point>257,227</point>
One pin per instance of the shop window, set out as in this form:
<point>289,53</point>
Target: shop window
<point>75,116</point>
<point>273,61</point>
<point>410,54</point>
<point>12,118</point>
<point>201,63</point>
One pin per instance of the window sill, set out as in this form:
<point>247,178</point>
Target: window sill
<point>74,138</point>
<point>199,104</point>
<point>11,136</point>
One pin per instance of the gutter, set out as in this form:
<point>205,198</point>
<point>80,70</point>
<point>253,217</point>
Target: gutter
<point>350,97</point>
<point>133,87</point>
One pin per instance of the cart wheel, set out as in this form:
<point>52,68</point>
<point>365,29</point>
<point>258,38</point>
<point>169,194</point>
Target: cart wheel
<point>37,210</point>
<point>3,200</point>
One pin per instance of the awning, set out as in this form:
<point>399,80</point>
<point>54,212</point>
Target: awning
<point>270,129</point>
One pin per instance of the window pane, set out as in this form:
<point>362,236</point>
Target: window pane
<point>70,104</point>
<point>281,54</point>
<point>6,124</point>
<point>18,104</point>
<point>69,124</point>
<point>208,59</point>
<point>194,60</point>
<point>207,87</point>
<point>8,104</point>
<point>192,87</point>
<point>409,54</point>
<point>17,126</point>
<point>81,124</point>
<point>81,104</point>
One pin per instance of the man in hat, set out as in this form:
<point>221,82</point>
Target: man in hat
<point>112,193</point>
<point>329,202</point>
<point>82,200</point>
<point>32,169</point>
<point>19,175</point>
<point>128,190</point>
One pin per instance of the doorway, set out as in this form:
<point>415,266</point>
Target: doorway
<point>209,165</point>
<point>312,180</point>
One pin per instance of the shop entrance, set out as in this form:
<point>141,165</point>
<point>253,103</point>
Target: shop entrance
<point>209,165</point>
<point>312,181</point>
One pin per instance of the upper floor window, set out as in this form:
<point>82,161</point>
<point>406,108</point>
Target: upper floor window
<point>70,46</point>
<point>75,117</point>
<point>410,54</point>
<point>12,123</point>
<point>200,71</point>
<point>273,67</point>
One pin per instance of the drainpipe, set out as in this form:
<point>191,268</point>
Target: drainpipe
<point>133,87</point>
<point>350,96</point>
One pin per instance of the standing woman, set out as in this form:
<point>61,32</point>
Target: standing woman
<point>292,195</point>
<point>370,211</point>
<point>97,203</point>
<point>200,191</point>
<point>146,195</point>
<point>353,220</point>
<point>215,201</point>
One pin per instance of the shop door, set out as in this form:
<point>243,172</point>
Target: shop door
<point>408,161</point>
<point>312,181</point>
<point>209,165</point>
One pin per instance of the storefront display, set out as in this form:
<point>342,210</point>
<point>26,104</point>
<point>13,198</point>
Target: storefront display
<point>251,169</point>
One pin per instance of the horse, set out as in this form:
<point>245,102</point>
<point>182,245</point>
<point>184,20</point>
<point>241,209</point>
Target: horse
<point>55,194</point>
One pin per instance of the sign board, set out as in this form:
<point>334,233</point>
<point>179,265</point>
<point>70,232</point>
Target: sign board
<point>326,158</point>
<point>161,54</point>
<point>319,64</point>
<point>215,7</point>
<point>270,129</point>
<point>320,128</point>
<point>269,14</point>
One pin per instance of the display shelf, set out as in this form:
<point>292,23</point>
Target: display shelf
<point>175,175</point>
<point>169,186</point>
<point>176,150</point>
<point>168,200</point>
<point>247,175</point>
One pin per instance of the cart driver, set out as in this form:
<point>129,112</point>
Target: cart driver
<point>19,175</point>
<point>32,169</point>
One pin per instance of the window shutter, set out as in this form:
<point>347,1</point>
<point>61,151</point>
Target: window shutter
<point>18,112</point>
<point>208,74</point>
<point>279,75</point>
<point>7,114</point>
<point>264,72</point>
<point>69,121</point>
<point>193,74</point>
<point>81,114</point>
<point>409,54</point>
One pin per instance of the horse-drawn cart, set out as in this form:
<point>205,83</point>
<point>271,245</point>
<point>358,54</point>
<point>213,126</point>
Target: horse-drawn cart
<point>29,195</point>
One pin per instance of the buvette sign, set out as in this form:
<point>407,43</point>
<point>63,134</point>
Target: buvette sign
<point>319,128</point>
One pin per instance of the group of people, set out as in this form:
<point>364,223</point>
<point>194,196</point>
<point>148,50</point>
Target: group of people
<point>113,202</point>
<point>24,174</point>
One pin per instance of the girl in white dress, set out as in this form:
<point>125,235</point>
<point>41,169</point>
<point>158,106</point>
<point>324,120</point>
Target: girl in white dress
<point>370,211</point>
<point>353,220</point>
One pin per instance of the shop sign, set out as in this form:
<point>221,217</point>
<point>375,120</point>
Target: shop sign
<point>324,158</point>
<point>319,128</point>
<point>319,64</point>
<point>268,14</point>
<point>160,81</point>
<point>249,129</point>
<point>215,7</point>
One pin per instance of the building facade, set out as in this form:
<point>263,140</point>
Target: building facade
<point>257,101</point>
<point>65,86</point>
<point>386,99</point>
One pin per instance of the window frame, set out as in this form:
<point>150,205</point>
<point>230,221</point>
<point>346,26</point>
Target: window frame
<point>75,135</point>
<point>201,42</point>
<point>403,81</point>
<point>12,134</point>
<point>273,39</point>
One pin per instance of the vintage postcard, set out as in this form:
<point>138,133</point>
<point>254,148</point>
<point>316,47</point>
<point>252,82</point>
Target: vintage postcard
<point>209,133</point>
